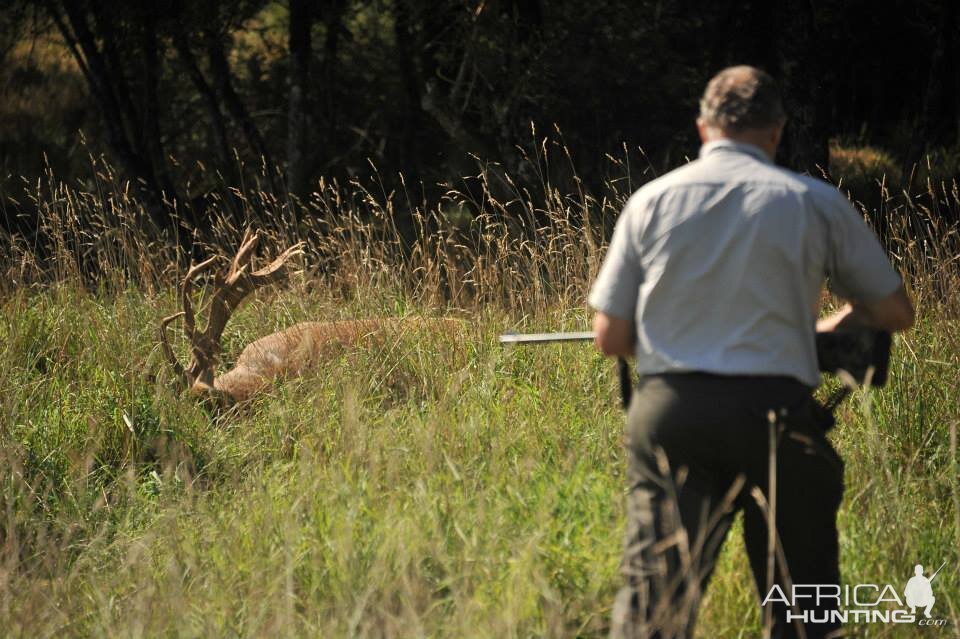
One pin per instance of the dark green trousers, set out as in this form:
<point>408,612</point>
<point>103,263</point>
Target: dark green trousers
<point>698,451</point>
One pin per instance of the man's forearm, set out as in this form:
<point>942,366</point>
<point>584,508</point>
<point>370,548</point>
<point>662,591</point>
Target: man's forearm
<point>892,313</point>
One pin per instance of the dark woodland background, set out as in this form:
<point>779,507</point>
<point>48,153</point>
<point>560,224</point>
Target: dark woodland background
<point>185,99</point>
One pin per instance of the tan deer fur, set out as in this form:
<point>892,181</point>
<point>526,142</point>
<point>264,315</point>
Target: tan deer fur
<point>287,353</point>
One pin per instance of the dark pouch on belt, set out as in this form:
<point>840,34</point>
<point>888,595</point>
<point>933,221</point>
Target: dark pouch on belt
<point>808,416</point>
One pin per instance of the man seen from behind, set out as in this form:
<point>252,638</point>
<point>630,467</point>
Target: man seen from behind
<point>712,282</point>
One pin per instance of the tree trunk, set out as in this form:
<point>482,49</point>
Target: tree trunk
<point>411,84</point>
<point>218,125</point>
<point>805,90</point>
<point>933,91</point>
<point>150,134</point>
<point>331,45</point>
<point>220,69</point>
<point>117,109</point>
<point>301,21</point>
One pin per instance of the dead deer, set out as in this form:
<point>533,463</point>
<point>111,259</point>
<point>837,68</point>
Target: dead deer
<point>287,353</point>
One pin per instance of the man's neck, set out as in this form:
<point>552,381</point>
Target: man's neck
<point>759,138</point>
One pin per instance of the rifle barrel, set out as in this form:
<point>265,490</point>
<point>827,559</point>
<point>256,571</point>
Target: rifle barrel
<point>546,338</point>
<point>864,353</point>
<point>934,575</point>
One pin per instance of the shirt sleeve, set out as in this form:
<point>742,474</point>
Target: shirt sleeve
<point>858,267</point>
<point>616,288</point>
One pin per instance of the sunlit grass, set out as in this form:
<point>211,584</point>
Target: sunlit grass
<point>433,486</point>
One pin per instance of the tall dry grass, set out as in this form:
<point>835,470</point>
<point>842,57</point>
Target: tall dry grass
<point>423,488</point>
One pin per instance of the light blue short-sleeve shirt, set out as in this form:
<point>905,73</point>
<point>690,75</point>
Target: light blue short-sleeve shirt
<point>720,264</point>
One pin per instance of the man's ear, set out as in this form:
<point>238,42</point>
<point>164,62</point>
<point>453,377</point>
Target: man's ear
<point>703,130</point>
<point>778,133</point>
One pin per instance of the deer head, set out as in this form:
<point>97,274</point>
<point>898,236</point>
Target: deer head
<point>229,290</point>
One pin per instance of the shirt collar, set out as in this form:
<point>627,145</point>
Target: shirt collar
<point>725,144</point>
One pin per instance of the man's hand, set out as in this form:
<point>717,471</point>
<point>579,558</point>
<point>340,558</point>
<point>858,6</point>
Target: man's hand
<point>615,336</point>
<point>892,313</point>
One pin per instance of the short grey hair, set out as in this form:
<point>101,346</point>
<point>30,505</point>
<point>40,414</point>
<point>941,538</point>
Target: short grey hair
<point>740,98</point>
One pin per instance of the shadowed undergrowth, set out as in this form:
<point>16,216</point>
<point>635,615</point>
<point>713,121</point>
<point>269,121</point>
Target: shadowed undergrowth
<point>428,486</point>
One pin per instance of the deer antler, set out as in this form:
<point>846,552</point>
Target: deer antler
<point>234,287</point>
<point>168,351</point>
<point>229,291</point>
<point>202,353</point>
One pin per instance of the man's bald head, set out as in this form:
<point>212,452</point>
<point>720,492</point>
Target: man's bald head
<point>741,98</point>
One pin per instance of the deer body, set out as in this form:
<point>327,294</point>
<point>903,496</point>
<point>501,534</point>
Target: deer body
<point>287,353</point>
<point>302,347</point>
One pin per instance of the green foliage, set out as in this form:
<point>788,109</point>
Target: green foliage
<point>433,485</point>
<point>863,171</point>
<point>436,486</point>
<point>416,86</point>
<point>35,72</point>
